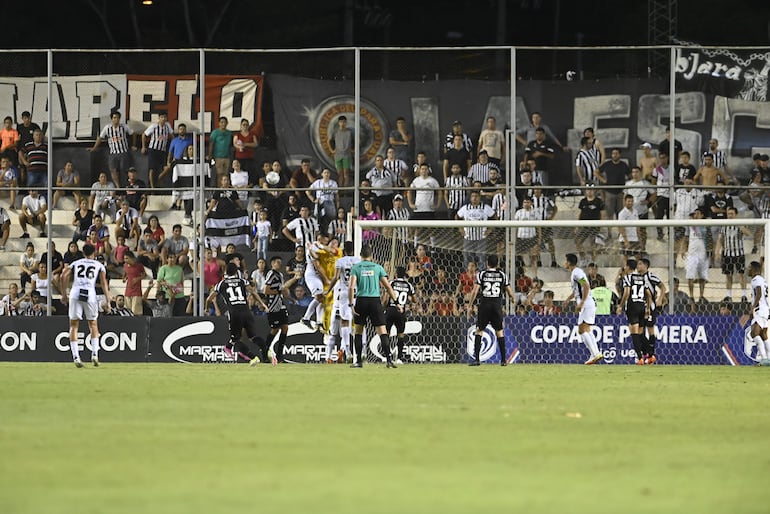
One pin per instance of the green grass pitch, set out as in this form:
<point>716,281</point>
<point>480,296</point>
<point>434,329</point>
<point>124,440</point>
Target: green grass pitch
<point>423,438</point>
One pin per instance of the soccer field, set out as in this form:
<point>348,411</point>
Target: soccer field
<point>152,438</point>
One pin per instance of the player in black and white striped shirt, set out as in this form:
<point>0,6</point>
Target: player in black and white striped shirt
<point>302,230</point>
<point>116,134</point>
<point>733,252</point>
<point>277,315</point>
<point>657,289</point>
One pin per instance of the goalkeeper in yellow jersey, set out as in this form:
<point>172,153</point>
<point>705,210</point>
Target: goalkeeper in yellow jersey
<point>327,258</point>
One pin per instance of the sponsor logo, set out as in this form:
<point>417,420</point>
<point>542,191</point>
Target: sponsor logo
<point>373,137</point>
<point>411,327</point>
<point>488,343</point>
<point>671,334</point>
<point>108,341</point>
<point>174,344</point>
<point>612,353</point>
<point>22,341</point>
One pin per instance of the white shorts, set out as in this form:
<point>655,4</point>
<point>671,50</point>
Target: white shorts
<point>83,310</point>
<point>314,284</point>
<point>760,318</point>
<point>587,313</point>
<point>697,266</point>
<point>343,310</point>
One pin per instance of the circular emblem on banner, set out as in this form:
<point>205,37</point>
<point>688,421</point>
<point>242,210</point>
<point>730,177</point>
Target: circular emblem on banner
<point>373,138</point>
<point>488,343</point>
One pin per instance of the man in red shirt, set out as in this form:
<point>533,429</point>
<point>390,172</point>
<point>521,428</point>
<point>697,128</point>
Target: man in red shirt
<point>134,273</point>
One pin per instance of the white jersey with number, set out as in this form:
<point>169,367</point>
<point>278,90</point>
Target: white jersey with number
<point>341,288</point>
<point>85,274</point>
<point>763,308</point>
<point>588,313</point>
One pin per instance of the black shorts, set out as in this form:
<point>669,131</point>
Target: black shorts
<point>635,314</point>
<point>278,319</point>
<point>490,314</point>
<point>241,318</point>
<point>395,318</point>
<point>156,160</point>
<point>651,319</point>
<point>735,264</point>
<point>368,308</point>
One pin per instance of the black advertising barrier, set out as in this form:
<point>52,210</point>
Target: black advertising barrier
<point>188,340</point>
<point>37,339</point>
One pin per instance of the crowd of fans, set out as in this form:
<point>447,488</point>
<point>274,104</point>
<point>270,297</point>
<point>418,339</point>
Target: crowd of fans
<point>288,207</point>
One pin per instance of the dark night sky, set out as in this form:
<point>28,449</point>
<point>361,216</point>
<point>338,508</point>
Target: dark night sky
<point>301,23</point>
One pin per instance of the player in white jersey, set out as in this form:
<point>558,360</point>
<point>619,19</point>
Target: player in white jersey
<point>581,292</point>
<point>85,273</point>
<point>315,280</point>
<point>342,313</point>
<point>761,312</point>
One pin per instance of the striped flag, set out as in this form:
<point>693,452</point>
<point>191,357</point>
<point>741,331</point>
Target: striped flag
<point>221,231</point>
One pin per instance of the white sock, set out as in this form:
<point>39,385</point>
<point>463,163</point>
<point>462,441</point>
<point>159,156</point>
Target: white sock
<point>95,347</point>
<point>767,347</point>
<point>310,309</point>
<point>329,346</point>
<point>345,339</point>
<point>75,351</point>
<point>588,340</point>
<point>319,313</point>
<point>761,352</point>
<point>730,292</point>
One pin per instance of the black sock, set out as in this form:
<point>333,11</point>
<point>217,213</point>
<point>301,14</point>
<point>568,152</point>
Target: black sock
<point>645,343</point>
<point>477,347</point>
<point>501,347</point>
<point>358,346</point>
<point>385,343</point>
<point>400,345</point>
<point>279,346</point>
<point>636,340</point>
<point>262,345</point>
<point>244,350</point>
<point>651,344</point>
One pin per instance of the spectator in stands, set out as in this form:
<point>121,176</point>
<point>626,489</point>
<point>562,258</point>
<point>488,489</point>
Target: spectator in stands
<point>397,167</point>
<point>9,140</point>
<point>455,191</point>
<point>641,190</point>
<point>57,264</point>
<point>324,196</point>
<point>547,307</point>
<point>526,134</point>
<point>590,208</point>
<point>587,163</point>
<point>665,146</point>
<point>524,186</point>
<point>155,143</point>
<point>443,304</point>
<point>628,232</point>
<point>301,180</point>
<point>26,130</point>
<point>158,234</point>
<point>421,159</point>
<point>120,308</point>
<point>545,209</point>
<point>466,280</point>
<point>99,236</point>
<point>522,282</point>
<point>225,201</point>
<point>400,139</point>
<point>368,213</point>
<point>116,134</point>
<point>213,269</point>
<point>233,255</point>
<point>492,141</point>
<point>177,245</point>
<point>475,247</point>
<point>424,198</point>
<point>648,161</point>
<point>5,228</point>
<point>480,169</point>
<point>338,228</point>
<point>687,200</point>
<point>33,211</point>
<point>239,180</point>
<point>613,173</point>
<point>299,299</point>
<point>148,253</point>
<point>263,236</point>
<point>543,153</point>
<point>708,175</point>
<point>685,169</point>
<point>659,201</point>
<point>415,274</point>
<point>177,147</point>
<point>103,197</point>
<point>136,192</point>
<point>245,143</point>
<point>35,305</point>
<point>220,144</point>
<point>365,192</point>
<point>127,223</point>
<point>160,308</point>
<point>116,258</point>
<point>697,259</point>
<point>133,274</point>
<point>594,277</point>
<point>731,251</point>
<point>457,130</point>
<point>715,207</point>
<point>383,185</point>
<point>492,186</point>
<point>290,213</point>
<point>68,180</point>
<point>457,154</point>
<point>441,283</point>
<point>82,219</point>
<point>606,299</point>
<point>295,267</point>
<point>9,179</point>
<point>29,262</point>
<point>34,157</point>
<point>682,301</point>
<point>41,283</point>
<point>528,238</point>
<point>9,305</point>
<point>171,281</point>
<point>341,141</point>
<point>72,254</point>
